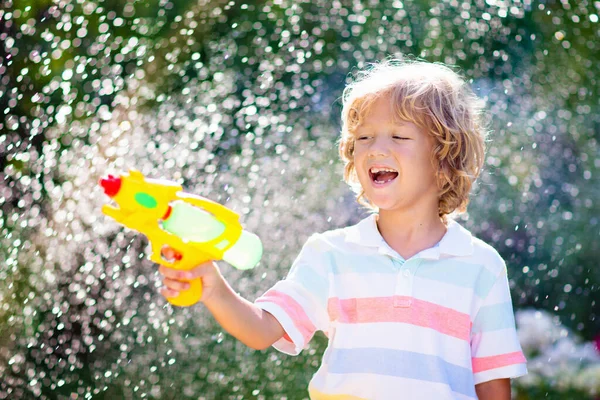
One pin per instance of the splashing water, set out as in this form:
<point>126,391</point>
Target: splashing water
<point>240,103</point>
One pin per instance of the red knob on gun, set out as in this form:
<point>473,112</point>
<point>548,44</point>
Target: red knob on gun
<point>111,185</point>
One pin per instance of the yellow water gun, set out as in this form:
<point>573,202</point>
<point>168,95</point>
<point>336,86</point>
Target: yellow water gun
<point>198,229</point>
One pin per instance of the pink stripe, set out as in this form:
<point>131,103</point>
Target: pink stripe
<point>401,309</point>
<point>294,310</point>
<point>481,364</point>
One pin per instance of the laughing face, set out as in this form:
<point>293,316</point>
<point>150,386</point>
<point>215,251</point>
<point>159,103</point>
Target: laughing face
<point>393,161</point>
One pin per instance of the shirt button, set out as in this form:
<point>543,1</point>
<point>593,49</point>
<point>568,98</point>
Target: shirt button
<point>406,273</point>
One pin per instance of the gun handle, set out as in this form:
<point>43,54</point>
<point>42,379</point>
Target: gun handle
<point>188,258</point>
<point>188,297</point>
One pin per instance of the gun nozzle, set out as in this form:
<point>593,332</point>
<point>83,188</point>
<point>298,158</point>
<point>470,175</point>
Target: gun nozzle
<point>111,185</point>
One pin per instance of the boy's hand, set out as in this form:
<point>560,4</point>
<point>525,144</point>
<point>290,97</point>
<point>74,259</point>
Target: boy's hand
<point>244,320</point>
<point>177,280</point>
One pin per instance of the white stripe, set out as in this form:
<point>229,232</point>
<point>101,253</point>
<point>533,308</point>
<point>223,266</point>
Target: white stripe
<point>494,343</point>
<point>357,285</point>
<point>446,295</point>
<point>510,371</point>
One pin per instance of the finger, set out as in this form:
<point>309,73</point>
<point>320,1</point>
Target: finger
<point>171,273</point>
<point>168,292</point>
<point>176,285</point>
<point>169,254</point>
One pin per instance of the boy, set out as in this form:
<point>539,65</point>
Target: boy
<point>413,305</point>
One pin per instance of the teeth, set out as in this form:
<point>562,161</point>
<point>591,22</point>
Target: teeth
<point>376,170</point>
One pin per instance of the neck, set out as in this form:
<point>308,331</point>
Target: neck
<point>410,231</point>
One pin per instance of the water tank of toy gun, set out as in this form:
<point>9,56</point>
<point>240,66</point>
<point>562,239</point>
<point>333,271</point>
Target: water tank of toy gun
<point>196,225</point>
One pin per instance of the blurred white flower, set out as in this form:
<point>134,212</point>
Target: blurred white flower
<point>538,330</point>
<point>556,357</point>
<point>588,380</point>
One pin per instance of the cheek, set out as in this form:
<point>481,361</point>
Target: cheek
<point>427,169</point>
<point>357,150</point>
<point>358,157</point>
<point>421,157</point>
<point>359,169</point>
<point>360,174</point>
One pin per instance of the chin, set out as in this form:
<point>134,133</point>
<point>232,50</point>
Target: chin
<point>387,209</point>
<point>384,204</point>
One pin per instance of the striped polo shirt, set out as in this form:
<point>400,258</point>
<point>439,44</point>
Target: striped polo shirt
<point>430,327</point>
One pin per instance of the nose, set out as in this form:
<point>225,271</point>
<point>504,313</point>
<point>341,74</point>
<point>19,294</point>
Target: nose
<point>379,148</point>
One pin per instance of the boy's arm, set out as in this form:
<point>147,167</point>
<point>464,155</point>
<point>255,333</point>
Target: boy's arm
<point>497,389</point>
<point>250,324</point>
<point>242,319</point>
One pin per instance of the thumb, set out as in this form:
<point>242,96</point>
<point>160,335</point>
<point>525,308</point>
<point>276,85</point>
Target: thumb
<point>202,270</point>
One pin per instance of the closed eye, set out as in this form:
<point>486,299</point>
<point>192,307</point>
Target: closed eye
<point>400,137</point>
<point>363,137</point>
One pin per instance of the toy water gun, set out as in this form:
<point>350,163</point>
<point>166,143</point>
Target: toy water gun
<point>197,229</point>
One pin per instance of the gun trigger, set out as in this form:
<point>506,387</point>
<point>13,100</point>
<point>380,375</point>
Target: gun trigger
<point>170,255</point>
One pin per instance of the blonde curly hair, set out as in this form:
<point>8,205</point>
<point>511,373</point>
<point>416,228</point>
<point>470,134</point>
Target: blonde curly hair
<point>437,100</point>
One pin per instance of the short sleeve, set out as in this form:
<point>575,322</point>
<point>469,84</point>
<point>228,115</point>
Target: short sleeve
<point>495,349</point>
<point>299,302</point>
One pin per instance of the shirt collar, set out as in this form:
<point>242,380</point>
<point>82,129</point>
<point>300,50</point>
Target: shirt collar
<point>456,242</point>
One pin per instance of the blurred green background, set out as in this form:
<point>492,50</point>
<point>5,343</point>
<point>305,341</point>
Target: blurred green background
<point>240,102</point>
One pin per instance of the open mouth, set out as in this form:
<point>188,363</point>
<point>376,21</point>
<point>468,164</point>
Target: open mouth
<point>382,175</point>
